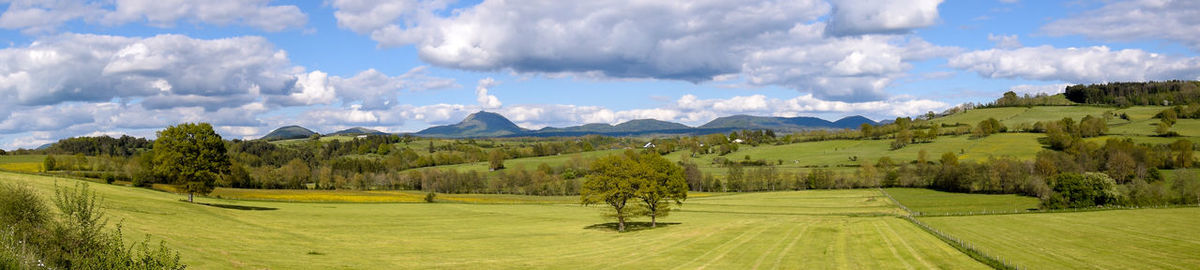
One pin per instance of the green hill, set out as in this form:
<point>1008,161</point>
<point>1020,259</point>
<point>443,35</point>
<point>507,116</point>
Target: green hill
<point>357,131</point>
<point>288,133</point>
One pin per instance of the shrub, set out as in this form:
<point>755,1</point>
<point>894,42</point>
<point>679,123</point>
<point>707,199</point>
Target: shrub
<point>429,197</point>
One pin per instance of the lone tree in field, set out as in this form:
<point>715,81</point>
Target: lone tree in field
<point>612,182</point>
<point>190,155</point>
<point>663,184</point>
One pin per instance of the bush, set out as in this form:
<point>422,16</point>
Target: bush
<point>1072,190</point>
<point>429,197</point>
<point>76,239</point>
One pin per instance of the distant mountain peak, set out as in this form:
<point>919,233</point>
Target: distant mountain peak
<point>478,124</point>
<point>288,133</point>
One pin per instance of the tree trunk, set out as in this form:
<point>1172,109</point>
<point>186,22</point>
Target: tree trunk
<point>190,197</point>
<point>653,222</point>
<point>620,223</point>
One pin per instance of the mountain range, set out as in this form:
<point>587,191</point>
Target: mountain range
<point>488,124</point>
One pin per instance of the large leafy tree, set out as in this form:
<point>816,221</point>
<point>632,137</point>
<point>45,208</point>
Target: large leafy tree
<point>663,184</point>
<point>190,155</point>
<point>612,183</point>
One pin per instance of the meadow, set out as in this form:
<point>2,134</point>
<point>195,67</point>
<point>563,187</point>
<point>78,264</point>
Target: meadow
<point>796,230</point>
<point>1116,239</point>
<point>932,202</point>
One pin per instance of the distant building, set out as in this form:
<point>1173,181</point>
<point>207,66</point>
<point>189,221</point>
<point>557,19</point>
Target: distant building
<point>648,145</point>
<point>738,141</point>
<point>361,136</point>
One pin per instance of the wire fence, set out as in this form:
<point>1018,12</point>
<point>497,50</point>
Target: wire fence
<point>966,247</point>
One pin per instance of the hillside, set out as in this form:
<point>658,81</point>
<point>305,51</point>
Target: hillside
<point>288,133</point>
<point>476,125</point>
<point>357,131</point>
<point>486,124</point>
<point>784,123</point>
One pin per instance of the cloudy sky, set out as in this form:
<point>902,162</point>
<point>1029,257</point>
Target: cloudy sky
<point>80,68</point>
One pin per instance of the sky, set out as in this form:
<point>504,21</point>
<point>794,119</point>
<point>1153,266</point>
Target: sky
<point>88,68</point>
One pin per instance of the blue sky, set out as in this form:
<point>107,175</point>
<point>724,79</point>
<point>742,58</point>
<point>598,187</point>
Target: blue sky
<point>85,68</point>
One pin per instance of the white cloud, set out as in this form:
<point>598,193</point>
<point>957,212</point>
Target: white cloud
<point>1172,20</point>
<point>481,94</point>
<point>1005,41</point>
<point>44,16</point>
<point>1077,65</point>
<point>692,41</point>
<point>168,70</point>
<point>856,17</point>
<point>1049,89</point>
<point>376,90</point>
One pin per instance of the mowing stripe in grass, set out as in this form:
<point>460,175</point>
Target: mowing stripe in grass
<point>892,247</point>
<point>784,253</point>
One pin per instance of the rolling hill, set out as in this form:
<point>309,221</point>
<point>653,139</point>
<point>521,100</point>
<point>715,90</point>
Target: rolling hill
<point>487,124</point>
<point>288,133</point>
<point>357,131</point>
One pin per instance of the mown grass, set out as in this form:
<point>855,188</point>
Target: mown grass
<point>933,202</point>
<point>1118,239</point>
<point>802,230</point>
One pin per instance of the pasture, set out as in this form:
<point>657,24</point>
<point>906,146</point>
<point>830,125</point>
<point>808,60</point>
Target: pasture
<point>797,230</point>
<point>1117,239</point>
<point>932,202</point>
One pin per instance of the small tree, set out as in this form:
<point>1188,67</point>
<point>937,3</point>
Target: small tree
<point>496,160</point>
<point>191,155</point>
<point>612,182</point>
<point>49,164</point>
<point>663,184</point>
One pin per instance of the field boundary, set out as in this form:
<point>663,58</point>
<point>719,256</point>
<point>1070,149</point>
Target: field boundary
<point>962,246</point>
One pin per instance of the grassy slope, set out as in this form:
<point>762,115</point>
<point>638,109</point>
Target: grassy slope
<point>22,163</point>
<point>937,202</point>
<point>1121,239</point>
<point>810,229</point>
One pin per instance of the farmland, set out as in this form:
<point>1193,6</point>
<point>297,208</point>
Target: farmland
<point>1118,239</point>
<point>808,229</point>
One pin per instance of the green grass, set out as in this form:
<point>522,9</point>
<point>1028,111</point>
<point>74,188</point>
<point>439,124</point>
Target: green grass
<point>532,163</point>
<point>22,163</point>
<point>1120,239</point>
<point>932,202</point>
<point>803,230</point>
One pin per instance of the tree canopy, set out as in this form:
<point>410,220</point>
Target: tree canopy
<point>190,155</point>
<point>650,179</point>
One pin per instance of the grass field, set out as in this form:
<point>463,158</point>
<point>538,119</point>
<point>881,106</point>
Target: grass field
<point>1120,239</point>
<point>797,230</point>
<point>932,202</point>
<point>21,163</point>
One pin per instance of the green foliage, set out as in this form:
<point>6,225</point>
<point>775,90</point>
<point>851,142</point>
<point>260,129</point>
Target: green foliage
<point>1135,93</point>
<point>496,160</point>
<point>49,164</point>
<point>76,239</point>
<point>1073,190</point>
<point>430,197</point>
<point>663,184</point>
<point>190,155</point>
<point>612,183</point>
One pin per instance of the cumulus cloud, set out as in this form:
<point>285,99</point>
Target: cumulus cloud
<point>1077,65</point>
<point>375,90</point>
<point>693,41</point>
<point>166,69</point>
<point>1172,20</point>
<point>32,16</point>
<point>481,94</point>
<point>856,17</point>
